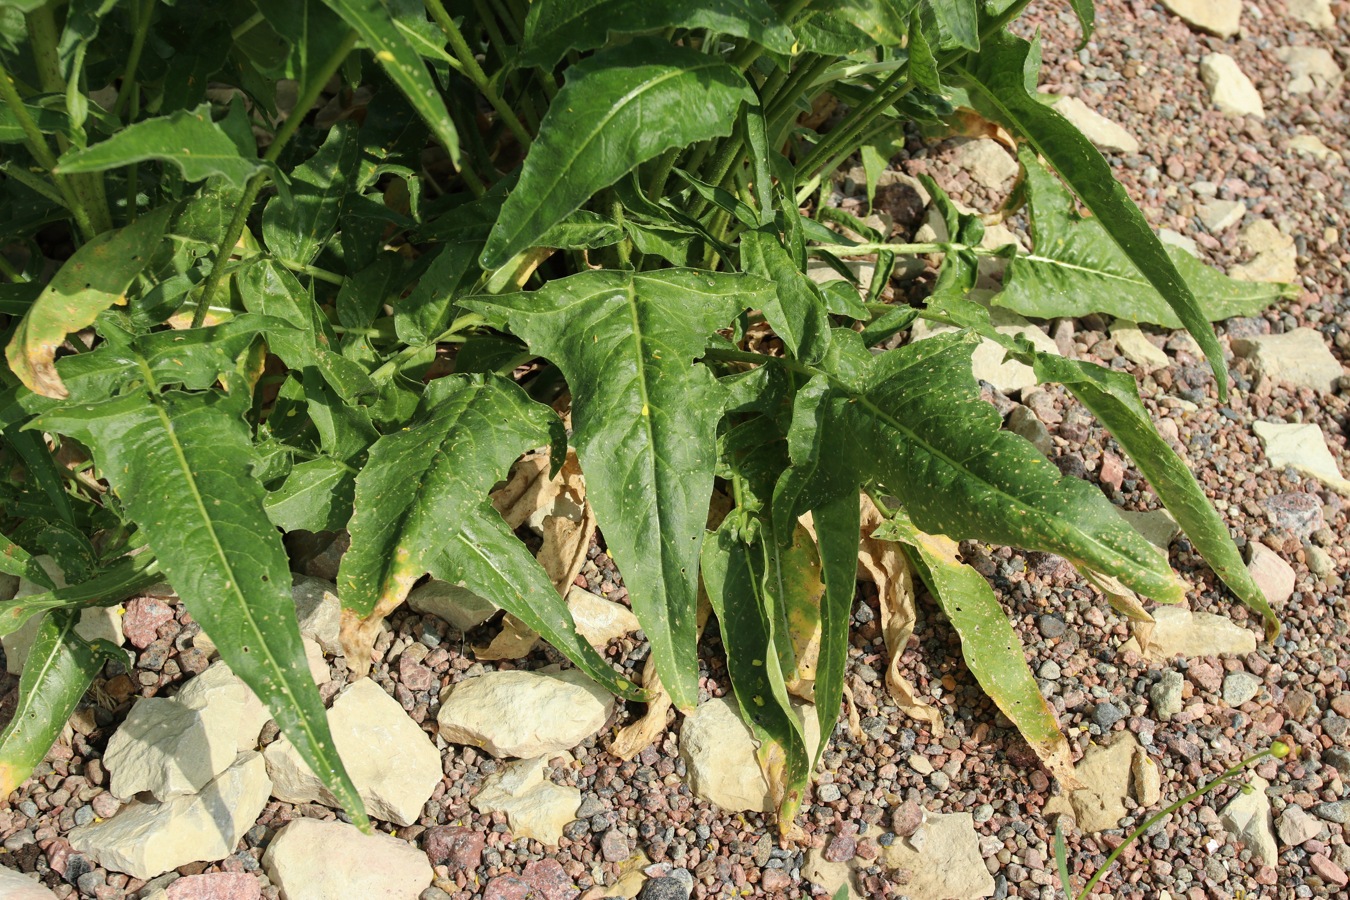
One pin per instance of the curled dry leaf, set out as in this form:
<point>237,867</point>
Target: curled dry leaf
<point>883,563</point>
<point>1127,603</point>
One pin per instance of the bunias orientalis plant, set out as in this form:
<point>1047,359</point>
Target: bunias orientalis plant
<point>332,262</point>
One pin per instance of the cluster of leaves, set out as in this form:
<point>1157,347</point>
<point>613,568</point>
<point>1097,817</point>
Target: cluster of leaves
<point>293,307</point>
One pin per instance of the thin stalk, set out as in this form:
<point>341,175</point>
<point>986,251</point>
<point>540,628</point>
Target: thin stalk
<point>246,26</point>
<point>143,14</point>
<point>746,356</point>
<point>37,145</point>
<point>21,174</point>
<point>496,40</point>
<point>656,184</point>
<point>318,274</point>
<point>255,184</point>
<point>838,159</point>
<point>512,19</point>
<point>392,364</point>
<point>7,269</point>
<point>475,72</point>
<point>856,121</point>
<point>867,249</point>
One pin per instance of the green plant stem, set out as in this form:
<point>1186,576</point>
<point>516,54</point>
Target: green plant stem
<point>1228,774</point>
<point>867,249</point>
<point>475,72</point>
<point>7,269</point>
<point>143,13</point>
<point>246,26</point>
<point>37,145</point>
<point>496,40</point>
<point>746,356</point>
<point>316,273</point>
<point>392,365</point>
<point>255,184</point>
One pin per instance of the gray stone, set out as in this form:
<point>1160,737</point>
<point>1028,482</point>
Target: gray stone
<point>1310,68</point>
<point>1104,134</point>
<point>1023,422</point>
<point>1220,215</point>
<point>148,839</point>
<point>1049,670</point>
<point>1231,91</point>
<point>1239,687</point>
<point>1158,526</point>
<point>949,863</point>
<point>663,888</point>
<point>1337,811</point>
<point>1104,715</point>
<point>319,612</point>
<point>313,860</point>
<point>1302,448</point>
<point>535,807</point>
<point>718,751</point>
<point>986,161</point>
<point>1300,358</point>
<point>392,762</point>
<point>1248,818</point>
<point>524,714</point>
<point>459,606</point>
<point>1218,17</point>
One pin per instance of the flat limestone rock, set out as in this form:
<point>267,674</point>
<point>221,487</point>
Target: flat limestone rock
<point>1274,576</point>
<point>986,161</point>
<point>392,762</point>
<point>1316,13</point>
<point>599,620</point>
<point>319,611</point>
<point>987,362</point>
<point>313,860</point>
<point>1230,90</point>
<point>145,840</point>
<point>17,886</point>
<point>169,749</point>
<point>535,807</point>
<point>1299,357</point>
<point>524,714</point>
<point>219,693</point>
<point>1303,448</point>
<point>451,603</point>
<point>829,875</point>
<point>1180,632</point>
<point>1218,17</point>
<point>718,750</point>
<point>96,622</point>
<point>1248,818</point>
<point>1137,348</point>
<point>1274,256</point>
<point>947,865</point>
<point>1106,772</point>
<point>1104,134</point>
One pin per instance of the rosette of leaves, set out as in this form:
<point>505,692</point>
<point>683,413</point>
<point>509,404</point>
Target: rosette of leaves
<point>294,309</point>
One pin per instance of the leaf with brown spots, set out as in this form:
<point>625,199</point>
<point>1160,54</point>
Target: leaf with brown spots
<point>94,278</point>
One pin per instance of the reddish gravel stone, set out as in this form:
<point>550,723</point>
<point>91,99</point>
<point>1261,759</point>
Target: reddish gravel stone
<point>509,887</point>
<point>906,819</point>
<point>219,886</point>
<point>142,621</point>
<point>456,848</point>
<point>842,848</point>
<point>547,880</point>
<point>614,846</point>
<point>1341,705</point>
<point>414,675</point>
<point>1328,870</point>
<point>1205,676</point>
<point>774,880</point>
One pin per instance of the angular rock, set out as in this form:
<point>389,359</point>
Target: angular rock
<point>1106,773</point>
<point>319,611</point>
<point>1296,512</point>
<point>313,860</point>
<point>1166,695</point>
<point>1220,215</point>
<point>1158,526</point>
<point>216,886</point>
<point>523,714</point>
<point>1180,632</point>
<point>1247,817</point>
<point>1239,687</point>
<point>1176,239</point>
<point>1274,256</point>
<point>392,762</point>
<point>1230,91</point>
<point>535,807</point>
<point>1145,779</point>
<point>1104,134</point>
<point>141,623</point>
<point>97,622</point>
<point>1218,17</point>
<point>148,839</point>
<point>459,848</point>
<point>1310,68</point>
<point>318,666</point>
<point>1303,448</point>
<point>599,620</point>
<point>169,749</point>
<point>17,886</point>
<point>829,875</point>
<point>459,606</point>
<point>949,863</point>
<point>1316,13</point>
<point>1299,357</point>
<point>1272,575</point>
<point>1313,146</point>
<point>1137,348</point>
<point>718,750</point>
<point>986,161</point>
<point>1022,421</point>
<point>220,694</point>
<point>1296,826</point>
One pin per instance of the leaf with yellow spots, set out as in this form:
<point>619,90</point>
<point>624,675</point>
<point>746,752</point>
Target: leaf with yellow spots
<point>626,341</point>
<point>94,278</point>
<point>989,645</point>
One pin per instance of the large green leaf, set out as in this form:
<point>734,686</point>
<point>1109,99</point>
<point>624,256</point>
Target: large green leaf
<point>996,80</point>
<point>317,495</point>
<point>916,426</point>
<point>93,279</point>
<point>182,465</point>
<point>119,581</point>
<point>837,531</point>
<point>644,421</point>
<point>1076,269</point>
<point>297,227</point>
<point>554,27</point>
<point>374,20</point>
<point>884,21</point>
<point>958,22</point>
<point>188,139</point>
<point>990,647</point>
<point>59,669</point>
<point>422,506</point>
<point>619,108</point>
<point>797,314</point>
<point>315,33</point>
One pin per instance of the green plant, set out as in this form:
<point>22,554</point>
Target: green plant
<point>294,309</point>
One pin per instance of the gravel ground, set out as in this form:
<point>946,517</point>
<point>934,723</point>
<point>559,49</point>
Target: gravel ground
<point>1142,72</point>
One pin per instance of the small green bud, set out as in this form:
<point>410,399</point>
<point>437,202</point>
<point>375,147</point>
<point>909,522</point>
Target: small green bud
<point>1280,749</point>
